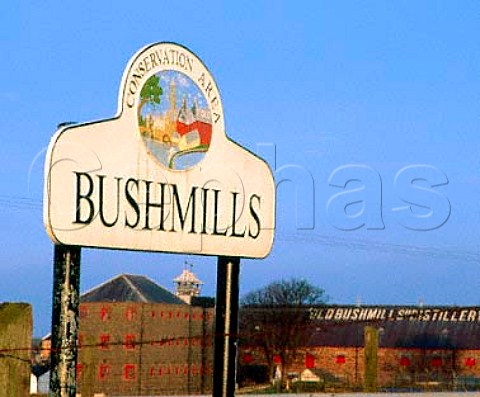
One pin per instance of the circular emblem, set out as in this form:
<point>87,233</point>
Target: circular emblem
<point>174,120</point>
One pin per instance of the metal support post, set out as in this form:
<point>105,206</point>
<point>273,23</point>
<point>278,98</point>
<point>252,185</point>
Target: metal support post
<point>226,327</point>
<point>65,302</point>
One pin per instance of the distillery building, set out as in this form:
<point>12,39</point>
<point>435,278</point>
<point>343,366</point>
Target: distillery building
<point>365,347</point>
<point>137,338</point>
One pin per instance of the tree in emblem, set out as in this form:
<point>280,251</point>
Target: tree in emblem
<point>150,94</point>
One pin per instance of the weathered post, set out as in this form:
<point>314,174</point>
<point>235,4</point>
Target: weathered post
<point>371,351</point>
<point>226,327</point>
<point>65,301</point>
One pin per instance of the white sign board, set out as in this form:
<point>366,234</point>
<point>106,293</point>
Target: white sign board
<point>162,175</point>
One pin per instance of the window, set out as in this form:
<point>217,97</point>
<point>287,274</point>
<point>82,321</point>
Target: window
<point>105,313</point>
<point>129,372</point>
<point>248,358</point>
<point>103,371</point>
<point>104,342</point>
<point>404,361</point>
<point>130,313</point>
<point>83,311</point>
<point>309,360</point>
<point>470,362</point>
<point>340,359</point>
<point>129,342</point>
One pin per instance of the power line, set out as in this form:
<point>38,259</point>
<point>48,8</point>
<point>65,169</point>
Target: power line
<point>353,244</point>
<point>20,203</point>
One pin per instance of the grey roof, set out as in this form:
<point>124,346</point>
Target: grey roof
<point>130,288</point>
<point>432,327</point>
<point>416,327</point>
<point>404,334</point>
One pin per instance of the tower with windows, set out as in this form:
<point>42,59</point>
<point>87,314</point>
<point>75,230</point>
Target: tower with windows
<point>188,285</point>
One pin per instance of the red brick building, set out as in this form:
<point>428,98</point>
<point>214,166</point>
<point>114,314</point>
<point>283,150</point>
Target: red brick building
<point>137,338</point>
<point>418,347</point>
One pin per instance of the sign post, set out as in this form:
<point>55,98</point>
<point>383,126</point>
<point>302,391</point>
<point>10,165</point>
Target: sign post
<point>160,176</point>
<point>65,301</point>
<point>226,327</point>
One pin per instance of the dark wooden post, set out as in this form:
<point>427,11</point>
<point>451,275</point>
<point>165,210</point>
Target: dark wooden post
<point>226,327</point>
<point>65,302</point>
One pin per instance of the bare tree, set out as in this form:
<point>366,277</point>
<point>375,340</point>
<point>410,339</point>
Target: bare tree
<point>273,319</point>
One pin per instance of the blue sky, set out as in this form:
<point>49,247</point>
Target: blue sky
<point>370,88</point>
<point>186,88</point>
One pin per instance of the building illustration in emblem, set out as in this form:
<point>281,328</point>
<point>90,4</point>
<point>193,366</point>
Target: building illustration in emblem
<point>174,120</point>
